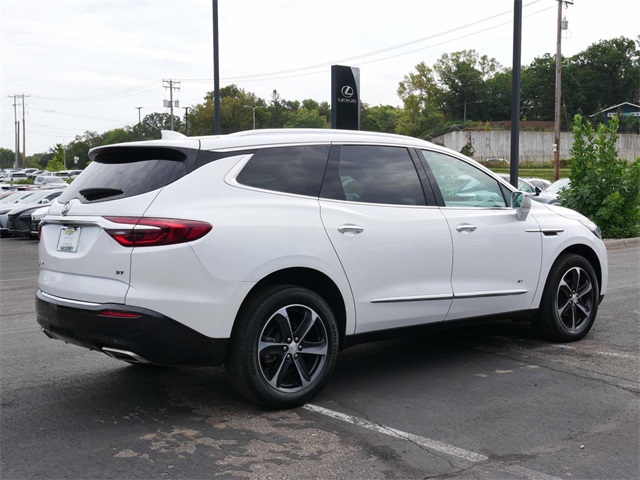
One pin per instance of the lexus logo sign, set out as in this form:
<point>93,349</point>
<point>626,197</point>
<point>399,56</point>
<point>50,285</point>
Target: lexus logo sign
<point>347,91</point>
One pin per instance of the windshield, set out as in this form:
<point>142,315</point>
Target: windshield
<point>558,185</point>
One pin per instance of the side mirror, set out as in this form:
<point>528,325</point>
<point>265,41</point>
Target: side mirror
<point>538,191</point>
<point>522,203</point>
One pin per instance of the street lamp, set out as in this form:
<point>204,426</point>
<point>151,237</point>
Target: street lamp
<point>64,152</point>
<point>139,108</point>
<point>254,113</point>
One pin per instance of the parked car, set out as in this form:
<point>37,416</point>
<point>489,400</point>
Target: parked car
<point>15,176</point>
<point>68,173</point>
<point>523,185</point>
<point>36,217</point>
<point>36,199</point>
<point>550,194</point>
<point>28,171</point>
<point>271,250</point>
<point>50,180</point>
<point>541,183</point>
<point>19,220</point>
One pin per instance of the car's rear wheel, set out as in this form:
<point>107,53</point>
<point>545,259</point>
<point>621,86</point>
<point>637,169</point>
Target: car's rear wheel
<point>284,347</point>
<point>569,301</point>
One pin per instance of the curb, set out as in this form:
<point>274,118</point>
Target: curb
<point>617,243</point>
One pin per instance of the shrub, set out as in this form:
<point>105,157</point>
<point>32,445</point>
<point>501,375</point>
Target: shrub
<point>604,187</point>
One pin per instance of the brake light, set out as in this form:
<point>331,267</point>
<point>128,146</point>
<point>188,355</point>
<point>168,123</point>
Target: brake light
<point>151,232</point>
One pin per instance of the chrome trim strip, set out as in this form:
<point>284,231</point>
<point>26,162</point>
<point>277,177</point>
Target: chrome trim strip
<point>417,298</point>
<point>544,230</point>
<point>495,293</point>
<point>66,300</point>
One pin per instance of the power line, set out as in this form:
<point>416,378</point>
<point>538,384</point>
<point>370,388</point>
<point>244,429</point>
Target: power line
<point>375,52</point>
<point>374,60</point>
<point>147,87</point>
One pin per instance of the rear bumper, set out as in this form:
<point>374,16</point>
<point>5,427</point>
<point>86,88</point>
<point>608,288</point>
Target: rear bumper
<point>150,336</point>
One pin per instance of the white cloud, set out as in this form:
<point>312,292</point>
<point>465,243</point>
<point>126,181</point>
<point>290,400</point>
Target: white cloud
<point>75,49</point>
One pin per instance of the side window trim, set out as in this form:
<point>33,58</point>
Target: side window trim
<point>439,199</point>
<point>425,180</point>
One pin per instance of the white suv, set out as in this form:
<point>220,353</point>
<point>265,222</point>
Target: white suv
<point>271,250</point>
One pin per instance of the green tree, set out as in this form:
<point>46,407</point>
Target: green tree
<point>304,118</point>
<point>463,76</point>
<point>118,135</point>
<point>56,163</point>
<point>604,187</point>
<point>607,73</point>
<point>381,118</point>
<point>7,157</point>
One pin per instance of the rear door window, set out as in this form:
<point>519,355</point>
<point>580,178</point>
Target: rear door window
<point>296,169</point>
<point>374,174</point>
<point>122,172</point>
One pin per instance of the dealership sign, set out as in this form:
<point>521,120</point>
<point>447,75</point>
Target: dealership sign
<point>345,97</point>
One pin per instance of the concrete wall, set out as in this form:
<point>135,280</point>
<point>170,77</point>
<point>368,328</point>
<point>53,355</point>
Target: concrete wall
<point>534,146</point>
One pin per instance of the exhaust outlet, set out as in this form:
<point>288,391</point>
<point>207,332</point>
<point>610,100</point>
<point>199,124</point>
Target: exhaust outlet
<point>125,355</point>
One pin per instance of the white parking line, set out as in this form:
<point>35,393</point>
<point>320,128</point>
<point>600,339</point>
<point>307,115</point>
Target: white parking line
<point>528,474</point>
<point>425,442</point>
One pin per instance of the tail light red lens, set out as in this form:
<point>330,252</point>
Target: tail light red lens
<point>151,232</point>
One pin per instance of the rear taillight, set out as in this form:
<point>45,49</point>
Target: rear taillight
<point>151,232</point>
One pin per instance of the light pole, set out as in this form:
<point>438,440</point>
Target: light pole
<point>186,120</point>
<point>64,152</point>
<point>139,108</point>
<point>254,113</point>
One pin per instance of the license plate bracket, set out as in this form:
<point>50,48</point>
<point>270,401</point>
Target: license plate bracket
<point>68,239</point>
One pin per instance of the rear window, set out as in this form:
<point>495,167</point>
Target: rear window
<point>122,172</point>
<point>297,169</point>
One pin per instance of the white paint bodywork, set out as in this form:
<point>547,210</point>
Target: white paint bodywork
<point>408,265</point>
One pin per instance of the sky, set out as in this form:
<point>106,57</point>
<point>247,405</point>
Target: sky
<point>85,65</point>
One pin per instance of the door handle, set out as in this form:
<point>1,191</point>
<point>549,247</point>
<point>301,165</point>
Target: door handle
<point>466,228</point>
<point>350,229</point>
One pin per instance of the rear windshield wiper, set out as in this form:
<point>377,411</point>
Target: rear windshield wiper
<point>98,193</point>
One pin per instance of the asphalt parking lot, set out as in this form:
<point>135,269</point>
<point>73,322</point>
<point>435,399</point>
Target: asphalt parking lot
<point>482,402</point>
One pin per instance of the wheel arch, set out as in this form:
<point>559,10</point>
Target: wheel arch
<point>589,254</point>
<point>313,280</point>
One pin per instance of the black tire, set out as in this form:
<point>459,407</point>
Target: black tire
<point>283,348</point>
<point>570,300</point>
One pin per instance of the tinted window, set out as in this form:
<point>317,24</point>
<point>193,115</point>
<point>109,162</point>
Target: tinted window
<point>114,177</point>
<point>463,185</point>
<point>296,169</point>
<point>374,174</point>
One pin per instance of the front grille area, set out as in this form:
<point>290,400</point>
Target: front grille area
<point>20,224</point>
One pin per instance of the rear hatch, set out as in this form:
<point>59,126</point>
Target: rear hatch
<point>79,258</point>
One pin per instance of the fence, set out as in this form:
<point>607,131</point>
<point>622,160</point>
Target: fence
<point>535,147</point>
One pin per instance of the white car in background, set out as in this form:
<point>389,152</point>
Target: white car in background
<point>271,250</point>
<point>34,199</point>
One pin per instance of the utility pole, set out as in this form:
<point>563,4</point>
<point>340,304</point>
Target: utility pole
<point>171,85</point>
<point>216,69</point>
<point>139,108</point>
<point>186,121</point>
<point>24,135</point>
<point>514,161</point>
<point>556,140</point>
<point>16,125</point>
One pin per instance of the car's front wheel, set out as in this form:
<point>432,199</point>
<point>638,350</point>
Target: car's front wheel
<point>569,301</point>
<point>284,347</point>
